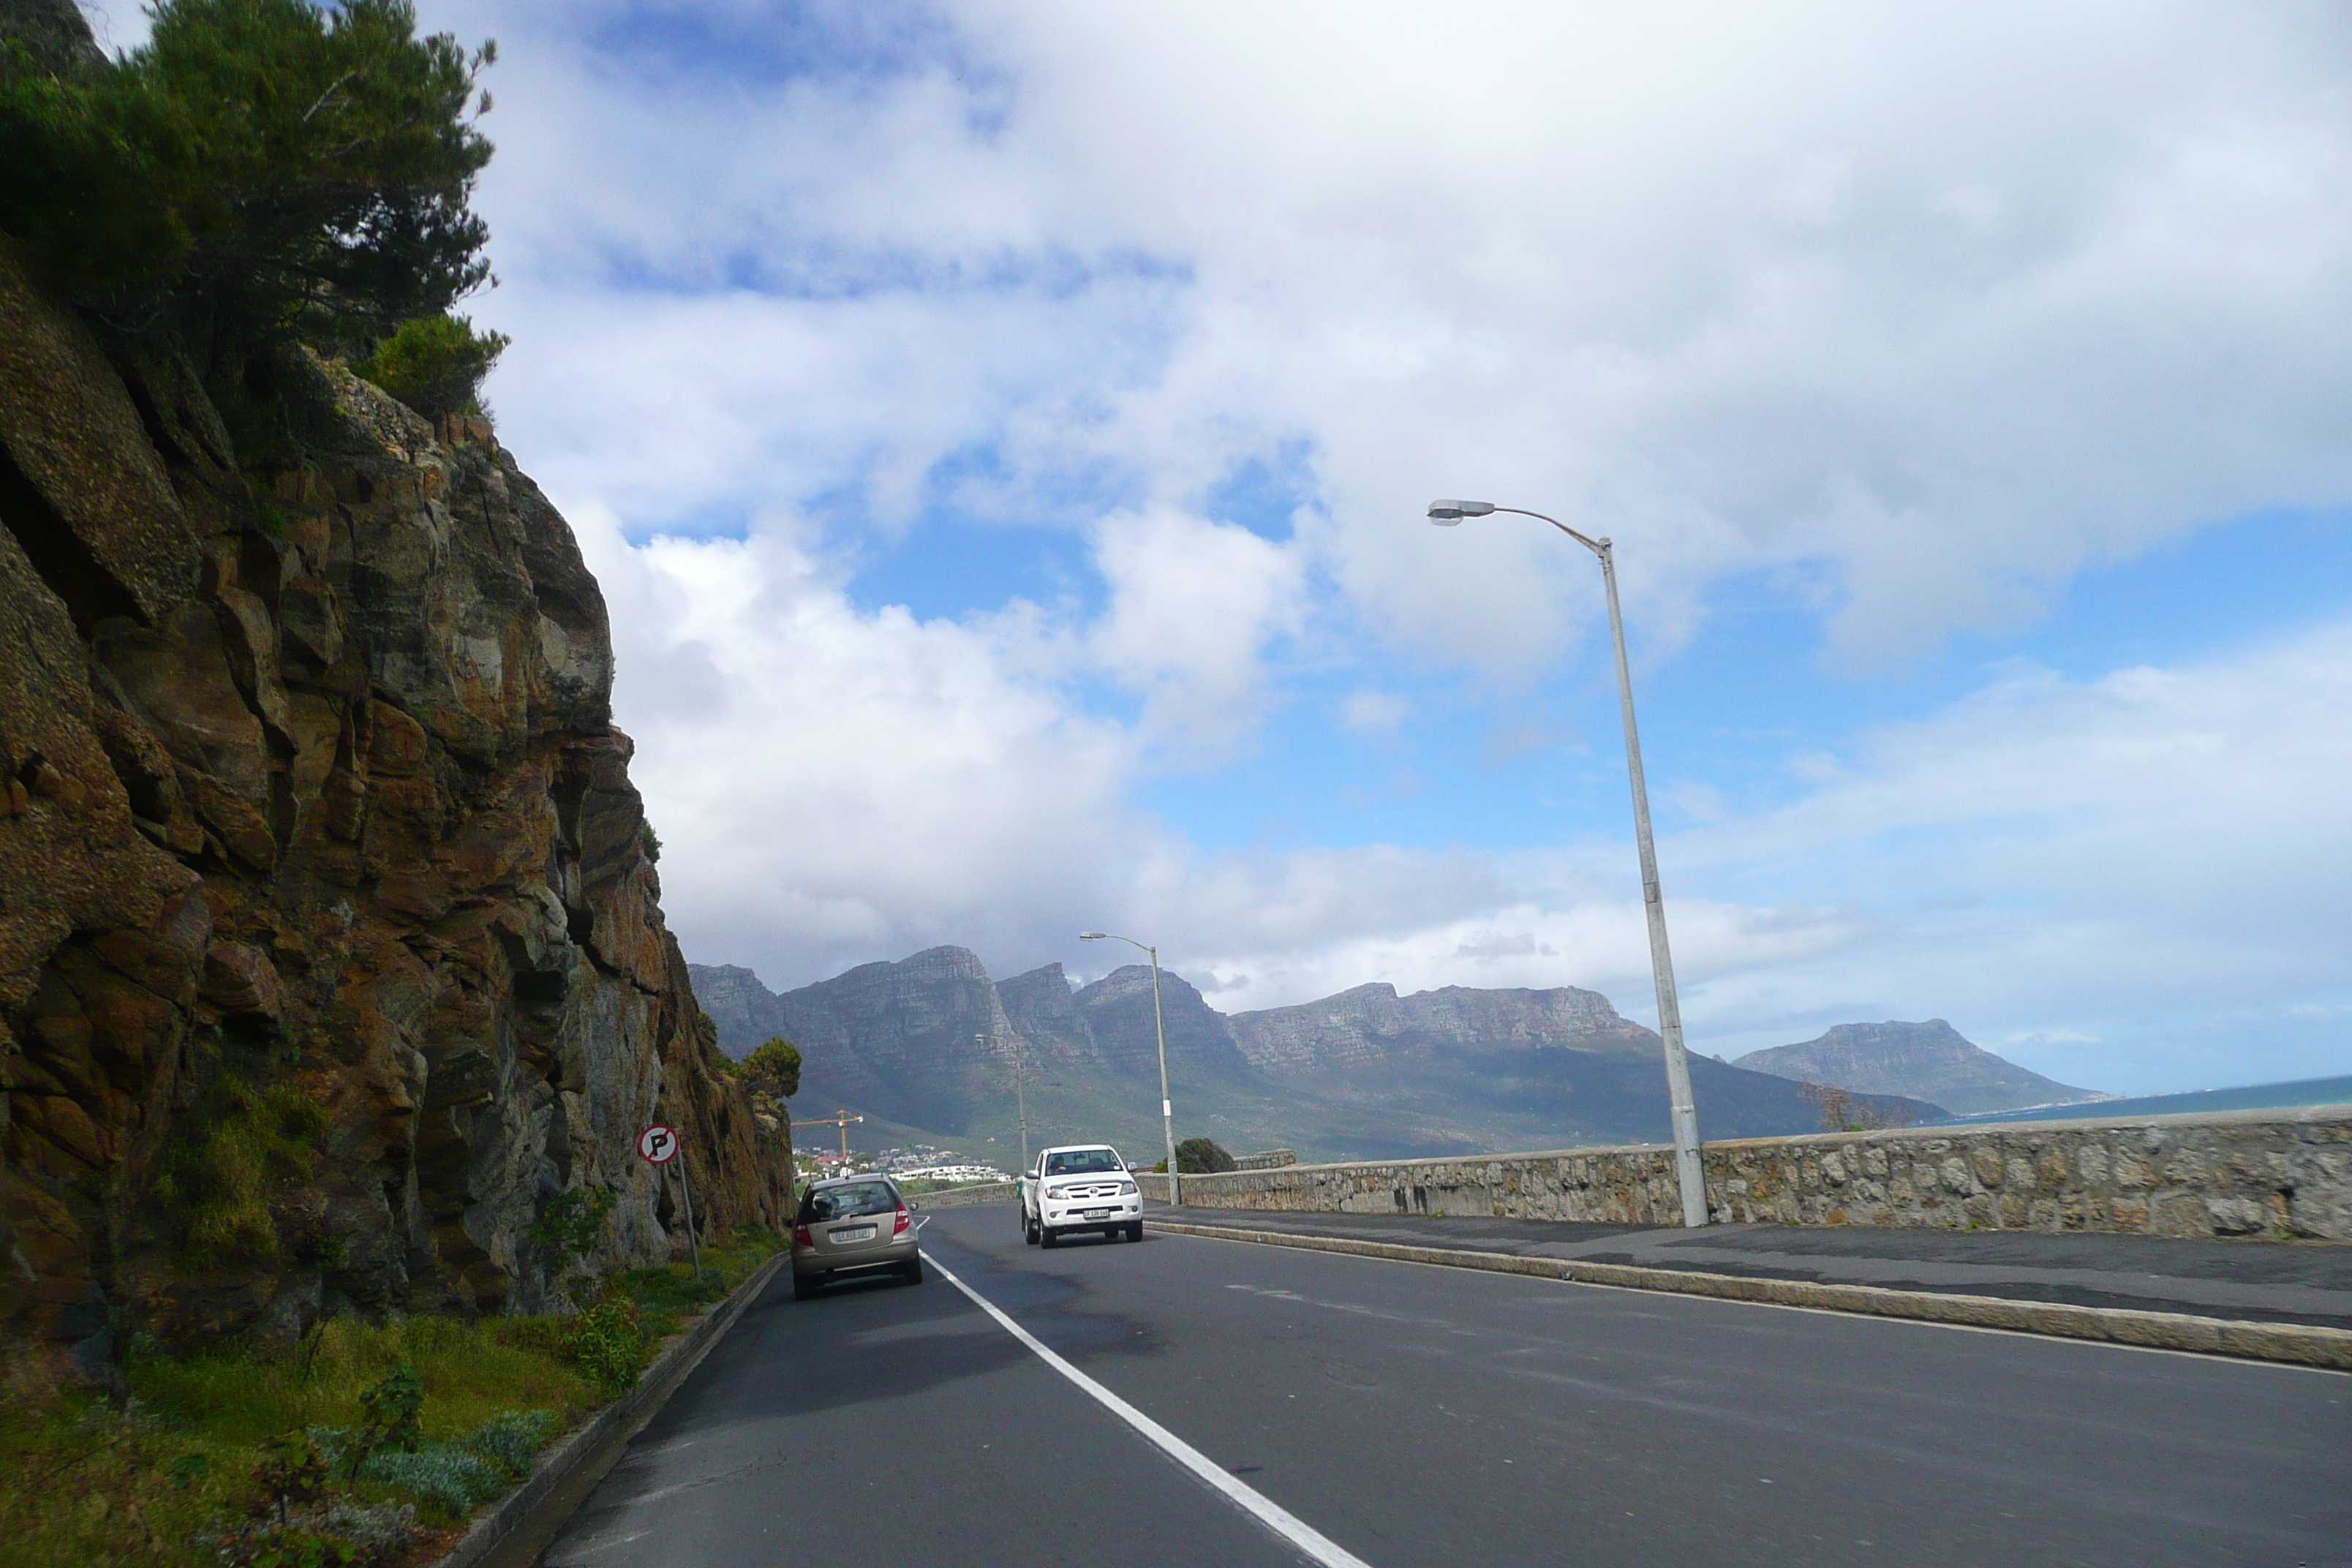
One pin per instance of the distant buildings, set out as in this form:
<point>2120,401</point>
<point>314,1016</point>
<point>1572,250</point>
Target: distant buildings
<point>923,1162</point>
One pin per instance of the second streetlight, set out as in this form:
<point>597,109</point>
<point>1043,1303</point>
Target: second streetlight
<point>1167,1107</point>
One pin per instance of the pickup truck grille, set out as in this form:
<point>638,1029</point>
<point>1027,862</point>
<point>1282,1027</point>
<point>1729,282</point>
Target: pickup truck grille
<point>1068,1195</point>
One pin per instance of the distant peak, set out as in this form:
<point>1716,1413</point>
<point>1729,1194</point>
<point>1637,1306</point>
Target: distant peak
<point>1045,973</point>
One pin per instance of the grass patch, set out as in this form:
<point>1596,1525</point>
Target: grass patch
<point>254,1140</point>
<point>86,1480</point>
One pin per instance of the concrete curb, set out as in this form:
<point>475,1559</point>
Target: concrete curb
<point>2298,1344</point>
<point>511,1514</point>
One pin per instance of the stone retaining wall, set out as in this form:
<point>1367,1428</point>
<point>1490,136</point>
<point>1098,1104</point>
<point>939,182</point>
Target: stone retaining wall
<point>963,1197</point>
<point>2280,1173</point>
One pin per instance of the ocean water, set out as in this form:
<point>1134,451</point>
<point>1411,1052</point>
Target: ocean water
<point>2251,1097</point>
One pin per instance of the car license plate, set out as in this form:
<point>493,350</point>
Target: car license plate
<point>1101,1214</point>
<point>863,1233</point>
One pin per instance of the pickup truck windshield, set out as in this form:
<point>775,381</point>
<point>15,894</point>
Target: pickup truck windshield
<point>847,1203</point>
<point>1084,1162</point>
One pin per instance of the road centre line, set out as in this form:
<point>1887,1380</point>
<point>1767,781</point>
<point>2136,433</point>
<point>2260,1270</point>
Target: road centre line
<point>1318,1547</point>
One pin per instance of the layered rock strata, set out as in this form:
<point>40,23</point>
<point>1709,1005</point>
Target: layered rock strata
<point>1371,1025</point>
<point>330,950</point>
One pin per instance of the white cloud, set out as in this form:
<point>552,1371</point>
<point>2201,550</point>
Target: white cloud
<point>1941,305</point>
<point>1370,712</point>
<point>831,784</point>
<point>1192,606</point>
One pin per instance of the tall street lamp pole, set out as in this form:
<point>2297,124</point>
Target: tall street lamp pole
<point>1159,1027</point>
<point>1020,1091</point>
<point>1691,1176</point>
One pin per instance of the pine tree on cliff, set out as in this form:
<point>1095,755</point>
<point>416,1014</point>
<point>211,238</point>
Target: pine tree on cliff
<point>259,171</point>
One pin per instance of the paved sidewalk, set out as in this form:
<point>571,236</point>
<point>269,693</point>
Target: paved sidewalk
<point>2254,1281</point>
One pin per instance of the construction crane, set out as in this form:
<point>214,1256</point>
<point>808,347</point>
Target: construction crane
<point>841,1119</point>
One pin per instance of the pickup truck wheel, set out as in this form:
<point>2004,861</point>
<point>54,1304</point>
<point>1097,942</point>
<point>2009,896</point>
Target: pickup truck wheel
<point>1135,1230</point>
<point>1028,1230</point>
<point>1047,1238</point>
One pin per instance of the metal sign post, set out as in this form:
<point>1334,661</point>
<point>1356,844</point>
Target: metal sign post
<point>661,1145</point>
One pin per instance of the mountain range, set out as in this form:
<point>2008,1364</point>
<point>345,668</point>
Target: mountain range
<point>1928,1061</point>
<point>931,1048</point>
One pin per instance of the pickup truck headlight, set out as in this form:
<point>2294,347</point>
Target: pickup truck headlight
<point>1126,1189</point>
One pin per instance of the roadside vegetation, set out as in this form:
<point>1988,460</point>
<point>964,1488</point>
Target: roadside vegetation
<point>1199,1157</point>
<point>1844,1112</point>
<point>261,174</point>
<point>774,1069</point>
<point>359,1444</point>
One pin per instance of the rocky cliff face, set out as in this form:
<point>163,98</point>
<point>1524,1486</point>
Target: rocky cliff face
<point>1117,1013</point>
<point>906,1040</point>
<point>1928,1061</point>
<point>330,948</point>
<point>1372,1025</point>
<point>1041,1009</point>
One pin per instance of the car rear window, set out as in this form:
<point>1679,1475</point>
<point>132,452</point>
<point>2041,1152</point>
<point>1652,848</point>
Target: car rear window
<point>848,1202</point>
<point>1084,1162</point>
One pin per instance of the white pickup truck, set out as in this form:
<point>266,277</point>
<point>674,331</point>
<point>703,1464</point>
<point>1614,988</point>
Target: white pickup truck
<point>1079,1187</point>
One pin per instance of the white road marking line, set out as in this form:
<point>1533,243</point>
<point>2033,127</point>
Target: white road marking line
<point>1318,1547</point>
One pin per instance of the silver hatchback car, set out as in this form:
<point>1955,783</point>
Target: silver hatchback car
<point>850,1227</point>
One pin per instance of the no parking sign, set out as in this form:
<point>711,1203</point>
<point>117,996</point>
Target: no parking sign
<point>659,1146</point>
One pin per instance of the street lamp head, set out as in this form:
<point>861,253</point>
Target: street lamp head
<point>1093,935</point>
<point>1450,513</point>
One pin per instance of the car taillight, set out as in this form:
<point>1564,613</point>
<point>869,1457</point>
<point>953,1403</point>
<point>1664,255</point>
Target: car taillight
<point>903,1222</point>
<point>801,1237</point>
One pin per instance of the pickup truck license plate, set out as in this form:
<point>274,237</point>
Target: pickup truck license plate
<point>1101,1214</point>
<point>863,1233</point>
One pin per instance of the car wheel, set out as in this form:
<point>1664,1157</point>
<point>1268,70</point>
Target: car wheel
<point>913,1273</point>
<point>1047,1238</point>
<point>802,1288</point>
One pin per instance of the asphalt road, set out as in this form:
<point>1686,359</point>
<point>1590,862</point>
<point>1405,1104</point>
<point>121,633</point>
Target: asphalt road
<point>2267,1281</point>
<point>1437,1418</point>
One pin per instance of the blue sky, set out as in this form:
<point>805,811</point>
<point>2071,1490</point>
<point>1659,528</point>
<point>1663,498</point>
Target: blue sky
<point>1003,432</point>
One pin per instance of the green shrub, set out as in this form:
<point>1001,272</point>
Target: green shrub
<point>291,1474</point>
<point>435,365</point>
<point>776,1068</point>
<point>608,1343</point>
<point>1201,1157</point>
<point>458,1478</point>
<point>572,1220</point>
<point>392,1407</point>
<point>513,1437</point>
